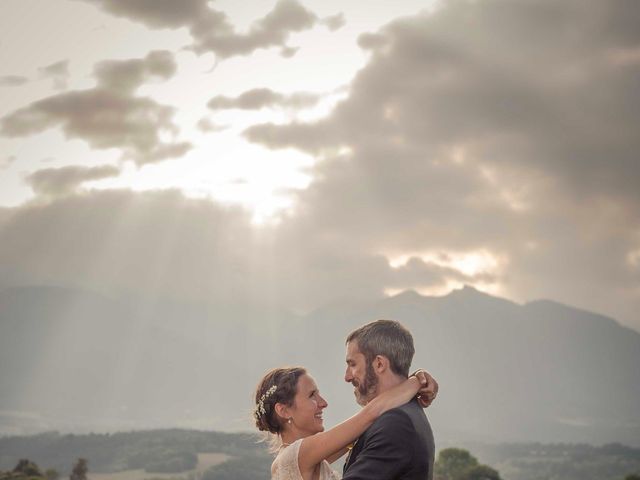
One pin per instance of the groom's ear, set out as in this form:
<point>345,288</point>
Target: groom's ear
<point>380,364</point>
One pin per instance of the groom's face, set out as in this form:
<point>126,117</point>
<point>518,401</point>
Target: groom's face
<point>360,374</point>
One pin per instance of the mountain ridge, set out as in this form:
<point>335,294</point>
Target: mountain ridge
<point>507,371</point>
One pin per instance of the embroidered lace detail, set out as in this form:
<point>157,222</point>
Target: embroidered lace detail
<point>285,466</point>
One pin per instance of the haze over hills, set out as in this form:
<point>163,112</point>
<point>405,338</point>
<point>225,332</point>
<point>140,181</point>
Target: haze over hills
<point>77,361</point>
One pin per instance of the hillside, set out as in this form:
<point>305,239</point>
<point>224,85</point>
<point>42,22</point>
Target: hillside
<point>161,454</point>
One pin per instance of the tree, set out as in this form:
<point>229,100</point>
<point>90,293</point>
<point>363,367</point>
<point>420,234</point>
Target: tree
<point>80,470</point>
<point>24,470</point>
<point>481,472</point>
<point>51,474</point>
<point>633,476</point>
<point>27,468</point>
<point>453,462</point>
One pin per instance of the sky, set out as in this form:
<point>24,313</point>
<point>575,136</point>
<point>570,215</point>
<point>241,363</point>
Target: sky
<point>298,153</point>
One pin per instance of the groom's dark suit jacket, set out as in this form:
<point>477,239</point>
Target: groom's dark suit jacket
<point>397,446</point>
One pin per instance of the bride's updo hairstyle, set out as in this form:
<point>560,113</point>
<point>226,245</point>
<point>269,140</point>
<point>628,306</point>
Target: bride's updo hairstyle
<point>277,386</point>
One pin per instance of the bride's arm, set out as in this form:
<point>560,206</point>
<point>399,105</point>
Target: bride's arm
<point>426,395</point>
<point>335,456</point>
<point>318,447</point>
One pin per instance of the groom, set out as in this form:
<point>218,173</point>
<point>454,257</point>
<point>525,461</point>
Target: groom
<point>399,445</point>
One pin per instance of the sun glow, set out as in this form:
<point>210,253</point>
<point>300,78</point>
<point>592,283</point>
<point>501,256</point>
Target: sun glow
<point>478,268</point>
<point>228,170</point>
<point>468,263</point>
<point>633,258</point>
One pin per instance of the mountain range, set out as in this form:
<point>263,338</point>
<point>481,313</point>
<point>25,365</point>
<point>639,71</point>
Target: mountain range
<point>73,360</point>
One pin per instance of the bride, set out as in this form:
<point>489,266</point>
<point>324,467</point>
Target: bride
<point>289,405</point>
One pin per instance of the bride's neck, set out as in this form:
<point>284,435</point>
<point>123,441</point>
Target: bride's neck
<point>289,437</point>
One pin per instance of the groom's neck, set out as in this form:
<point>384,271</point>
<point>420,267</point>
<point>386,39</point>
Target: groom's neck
<point>388,381</point>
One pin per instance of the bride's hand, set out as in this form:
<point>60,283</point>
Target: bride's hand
<point>429,389</point>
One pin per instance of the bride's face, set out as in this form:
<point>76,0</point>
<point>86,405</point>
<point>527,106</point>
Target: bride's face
<point>307,408</point>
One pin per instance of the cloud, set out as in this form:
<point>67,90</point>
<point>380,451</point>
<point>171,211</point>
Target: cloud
<point>491,125</point>
<point>314,138</point>
<point>288,52</point>
<point>60,68</point>
<point>148,243</point>
<point>12,80</point>
<point>264,97</point>
<point>479,130</point>
<point>58,72</point>
<point>110,115</point>
<point>126,76</point>
<point>334,22</point>
<point>155,13</point>
<point>163,244</point>
<point>53,182</point>
<point>509,88</point>
<point>211,30</point>
<point>7,161</point>
<point>416,273</point>
<point>207,126</point>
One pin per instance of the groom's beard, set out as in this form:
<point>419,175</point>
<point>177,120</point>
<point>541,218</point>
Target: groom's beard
<point>367,390</point>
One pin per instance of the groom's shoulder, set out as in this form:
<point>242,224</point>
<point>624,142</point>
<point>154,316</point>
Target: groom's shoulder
<point>413,409</point>
<point>396,422</point>
<point>408,420</point>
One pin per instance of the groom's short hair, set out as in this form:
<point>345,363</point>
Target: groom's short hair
<point>389,339</point>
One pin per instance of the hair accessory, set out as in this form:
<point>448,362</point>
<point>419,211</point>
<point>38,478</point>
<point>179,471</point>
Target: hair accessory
<point>259,411</point>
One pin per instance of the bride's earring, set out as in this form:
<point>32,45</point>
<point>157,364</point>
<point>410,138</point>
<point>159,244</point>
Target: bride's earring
<point>290,420</point>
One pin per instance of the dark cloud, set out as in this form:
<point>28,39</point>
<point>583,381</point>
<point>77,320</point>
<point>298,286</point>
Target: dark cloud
<point>497,125</point>
<point>127,75</point>
<point>264,97</point>
<point>505,78</point>
<point>211,30</point>
<point>54,182</point>
<point>58,72</point>
<point>12,80</point>
<point>109,115</point>
<point>287,16</point>
<point>313,138</point>
<point>156,13</point>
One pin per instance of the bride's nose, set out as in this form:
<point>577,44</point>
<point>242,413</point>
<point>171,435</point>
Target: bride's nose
<point>323,403</point>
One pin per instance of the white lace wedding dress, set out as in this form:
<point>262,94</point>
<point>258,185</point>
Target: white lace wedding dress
<point>285,466</point>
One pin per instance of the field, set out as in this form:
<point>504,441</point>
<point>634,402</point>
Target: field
<point>205,461</point>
